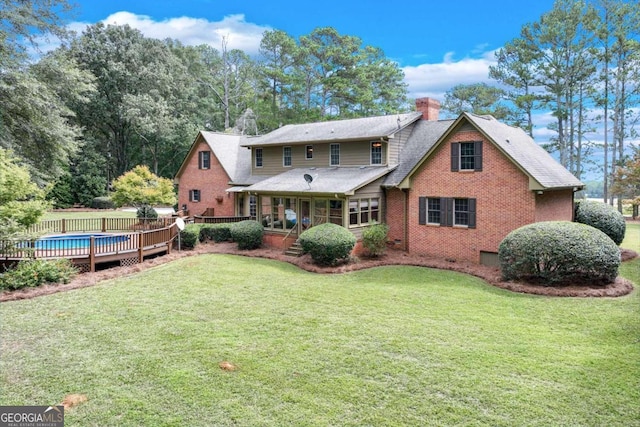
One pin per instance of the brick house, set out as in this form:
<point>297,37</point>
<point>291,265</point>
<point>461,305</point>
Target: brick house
<point>447,188</point>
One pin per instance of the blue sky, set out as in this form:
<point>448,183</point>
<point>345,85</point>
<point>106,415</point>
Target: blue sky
<point>438,44</point>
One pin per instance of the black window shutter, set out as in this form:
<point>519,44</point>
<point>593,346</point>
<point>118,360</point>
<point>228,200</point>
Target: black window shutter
<point>199,159</point>
<point>472,213</point>
<point>477,154</point>
<point>446,211</point>
<point>422,210</point>
<point>455,157</point>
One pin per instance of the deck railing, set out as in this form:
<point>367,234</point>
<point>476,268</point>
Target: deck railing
<point>82,225</point>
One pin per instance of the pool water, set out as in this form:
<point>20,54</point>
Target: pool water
<point>76,241</point>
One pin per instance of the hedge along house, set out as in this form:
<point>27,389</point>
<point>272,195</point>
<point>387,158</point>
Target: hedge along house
<point>448,188</point>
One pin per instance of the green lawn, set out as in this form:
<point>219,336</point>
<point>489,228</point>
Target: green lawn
<point>380,347</point>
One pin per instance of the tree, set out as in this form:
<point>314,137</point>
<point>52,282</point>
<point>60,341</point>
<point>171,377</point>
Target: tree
<point>626,181</point>
<point>479,98</point>
<point>140,187</point>
<point>37,121</point>
<point>22,202</point>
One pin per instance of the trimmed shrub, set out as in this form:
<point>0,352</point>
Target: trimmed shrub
<point>328,243</point>
<point>559,252</point>
<point>146,212</point>
<point>248,234</point>
<point>32,273</point>
<point>216,232</point>
<point>602,216</point>
<point>190,236</point>
<point>102,203</point>
<point>374,239</point>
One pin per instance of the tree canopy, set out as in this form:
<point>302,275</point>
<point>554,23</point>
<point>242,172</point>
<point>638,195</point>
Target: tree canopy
<point>140,187</point>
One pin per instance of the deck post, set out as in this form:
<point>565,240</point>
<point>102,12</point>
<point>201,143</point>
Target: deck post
<point>140,247</point>
<point>64,226</point>
<point>104,224</point>
<point>92,254</point>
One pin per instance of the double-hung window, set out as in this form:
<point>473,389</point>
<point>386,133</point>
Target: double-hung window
<point>258,152</point>
<point>194,195</point>
<point>286,156</point>
<point>204,159</point>
<point>447,211</point>
<point>376,153</point>
<point>334,155</point>
<point>466,156</point>
<point>308,152</point>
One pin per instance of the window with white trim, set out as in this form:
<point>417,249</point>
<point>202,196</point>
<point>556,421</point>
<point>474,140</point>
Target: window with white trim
<point>364,211</point>
<point>376,153</point>
<point>194,195</point>
<point>286,156</point>
<point>308,150</point>
<point>204,159</point>
<point>258,157</point>
<point>447,211</point>
<point>334,155</point>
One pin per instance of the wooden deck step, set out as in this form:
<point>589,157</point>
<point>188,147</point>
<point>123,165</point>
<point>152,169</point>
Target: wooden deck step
<point>295,249</point>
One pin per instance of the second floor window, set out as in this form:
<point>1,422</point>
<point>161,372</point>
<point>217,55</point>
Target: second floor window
<point>204,159</point>
<point>194,195</point>
<point>376,153</point>
<point>334,155</point>
<point>466,156</point>
<point>258,157</point>
<point>286,156</point>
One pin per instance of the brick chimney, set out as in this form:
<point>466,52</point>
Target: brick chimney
<point>429,107</point>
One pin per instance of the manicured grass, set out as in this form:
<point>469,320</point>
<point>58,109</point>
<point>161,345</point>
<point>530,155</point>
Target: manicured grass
<point>382,347</point>
<point>98,213</point>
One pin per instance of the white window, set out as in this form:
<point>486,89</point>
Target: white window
<point>334,155</point>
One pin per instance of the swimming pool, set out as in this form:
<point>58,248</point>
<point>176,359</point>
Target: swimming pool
<point>77,241</point>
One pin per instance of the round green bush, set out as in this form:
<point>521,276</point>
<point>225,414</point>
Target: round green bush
<point>248,234</point>
<point>374,239</point>
<point>559,252</point>
<point>190,236</point>
<point>102,203</point>
<point>328,243</point>
<point>146,212</point>
<point>602,216</point>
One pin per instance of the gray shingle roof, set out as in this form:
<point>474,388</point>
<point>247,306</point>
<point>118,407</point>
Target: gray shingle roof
<point>340,180</point>
<point>423,136</point>
<point>338,130</point>
<point>234,158</point>
<point>523,151</point>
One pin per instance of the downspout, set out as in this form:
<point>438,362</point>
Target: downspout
<point>405,222</point>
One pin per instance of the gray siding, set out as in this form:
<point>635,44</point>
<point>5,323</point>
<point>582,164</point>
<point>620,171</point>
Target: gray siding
<point>355,153</point>
<point>396,144</point>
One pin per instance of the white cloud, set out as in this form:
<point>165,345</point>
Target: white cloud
<point>239,33</point>
<point>433,80</point>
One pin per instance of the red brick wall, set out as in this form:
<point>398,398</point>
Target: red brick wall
<point>212,183</point>
<point>395,217</point>
<point>503,202</point>
<point>554,206</point>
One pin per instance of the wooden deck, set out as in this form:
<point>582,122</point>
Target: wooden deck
<point>142,239</point>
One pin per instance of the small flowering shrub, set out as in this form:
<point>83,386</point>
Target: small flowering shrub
<point>32,273</point>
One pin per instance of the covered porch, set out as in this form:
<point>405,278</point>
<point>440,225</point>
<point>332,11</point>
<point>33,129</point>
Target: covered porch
<point>292,202</point>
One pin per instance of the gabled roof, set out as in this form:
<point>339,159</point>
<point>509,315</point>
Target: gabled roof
<point>336,131</point>
<point>544,172</point>
<point>524,152</point>
<point>423,137</point>
<point>336,180</point>
<point>234,158</point>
